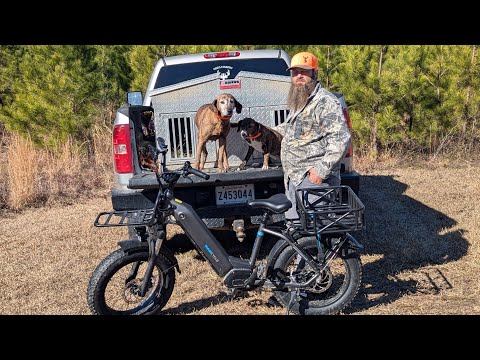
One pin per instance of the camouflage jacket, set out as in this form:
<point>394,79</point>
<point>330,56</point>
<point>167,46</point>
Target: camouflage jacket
<point>315,136</point>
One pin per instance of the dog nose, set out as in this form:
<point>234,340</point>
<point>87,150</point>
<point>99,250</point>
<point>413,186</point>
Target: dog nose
<point>243,133</point>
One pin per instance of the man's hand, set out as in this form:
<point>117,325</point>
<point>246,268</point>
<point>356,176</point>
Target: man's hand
<point>313,177</point>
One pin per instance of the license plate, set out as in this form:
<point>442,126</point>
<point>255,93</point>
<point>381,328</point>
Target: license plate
<point>234,194</point>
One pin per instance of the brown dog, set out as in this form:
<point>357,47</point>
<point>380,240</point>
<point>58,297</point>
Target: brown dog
<point>261,138</point>
<point>213,122</point>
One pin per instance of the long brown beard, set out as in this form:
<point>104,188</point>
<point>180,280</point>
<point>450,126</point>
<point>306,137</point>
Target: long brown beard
<point>298,95</point>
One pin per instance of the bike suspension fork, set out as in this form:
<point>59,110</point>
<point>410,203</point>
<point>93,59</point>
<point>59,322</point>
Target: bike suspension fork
<point>143,236</point>
<point>154,246</point>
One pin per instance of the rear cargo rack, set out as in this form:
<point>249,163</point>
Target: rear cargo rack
<point>330,209</point>
<point>125,218</point>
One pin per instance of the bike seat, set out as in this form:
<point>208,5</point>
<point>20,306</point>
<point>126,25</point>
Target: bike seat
<point>277,203</point>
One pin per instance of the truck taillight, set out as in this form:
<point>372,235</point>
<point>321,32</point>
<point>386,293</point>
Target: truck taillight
<point>122,149</point>
<point>349,124</point>
<point>223,54</point>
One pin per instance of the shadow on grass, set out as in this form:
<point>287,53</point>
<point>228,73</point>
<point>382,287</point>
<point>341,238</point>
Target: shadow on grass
<point>195,305</point>
<point>222,297</point>
<point>408,236</point>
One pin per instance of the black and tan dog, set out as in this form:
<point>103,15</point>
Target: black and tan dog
<point>261,138</point>
<point>145,139</point>
<point>213,122</point>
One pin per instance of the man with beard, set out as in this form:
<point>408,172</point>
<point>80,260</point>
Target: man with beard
<point>315,133</point>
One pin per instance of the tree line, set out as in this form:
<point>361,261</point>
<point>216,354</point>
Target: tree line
<point>407,97</point>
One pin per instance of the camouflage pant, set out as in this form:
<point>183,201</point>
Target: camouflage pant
<point>291,213</point>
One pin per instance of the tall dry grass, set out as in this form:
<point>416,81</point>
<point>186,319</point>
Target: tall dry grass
<point>30,176</point>
<point>22,169</point>
<point>101,136</point>
<point>63,165</point>
<point>453,150</point>
<point>63,173</point>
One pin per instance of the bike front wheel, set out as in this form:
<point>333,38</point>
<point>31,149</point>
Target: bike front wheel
<point>114,287</point>
<point>330,293</point>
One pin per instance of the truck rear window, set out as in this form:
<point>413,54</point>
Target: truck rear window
<point>174,74</point>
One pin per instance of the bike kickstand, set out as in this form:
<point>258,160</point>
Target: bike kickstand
<point>294,294</point>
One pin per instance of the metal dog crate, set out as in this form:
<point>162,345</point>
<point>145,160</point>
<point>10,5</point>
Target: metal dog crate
<point>263,97</point>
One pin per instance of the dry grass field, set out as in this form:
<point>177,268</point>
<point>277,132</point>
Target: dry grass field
<point>422,252</point>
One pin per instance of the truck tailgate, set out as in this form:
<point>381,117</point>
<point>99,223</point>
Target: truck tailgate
<point>149,181</point>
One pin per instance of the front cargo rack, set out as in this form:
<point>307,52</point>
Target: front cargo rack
<point>125,218</point>
<point>329,209</point>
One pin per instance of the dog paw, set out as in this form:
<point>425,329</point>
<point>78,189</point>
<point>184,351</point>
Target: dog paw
<point>265,167</point>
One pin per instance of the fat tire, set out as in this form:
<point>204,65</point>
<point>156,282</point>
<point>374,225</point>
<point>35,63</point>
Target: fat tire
<point>353,272</point>
<point>114,262</point>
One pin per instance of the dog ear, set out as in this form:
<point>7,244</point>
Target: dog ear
<point>238,107</point>
<point>238,125</point>
<point>213,107</point>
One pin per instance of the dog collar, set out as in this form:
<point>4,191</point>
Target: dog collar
<point>254,136</point>
<point>224,118</point>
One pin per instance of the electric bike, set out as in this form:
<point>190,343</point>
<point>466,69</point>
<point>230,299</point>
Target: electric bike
<point>314,267</point>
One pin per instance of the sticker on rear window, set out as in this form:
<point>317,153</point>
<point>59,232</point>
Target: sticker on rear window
<point>230,84</point>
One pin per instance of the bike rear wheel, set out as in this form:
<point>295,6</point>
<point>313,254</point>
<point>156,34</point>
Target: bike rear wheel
<point>330,293</point>
<point>114,287</point>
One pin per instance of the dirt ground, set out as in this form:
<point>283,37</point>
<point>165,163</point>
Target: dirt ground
<point>421,254</point>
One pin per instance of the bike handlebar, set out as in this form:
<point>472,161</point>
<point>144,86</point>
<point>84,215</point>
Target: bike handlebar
<point>197,172</point>
<point>172,176</point>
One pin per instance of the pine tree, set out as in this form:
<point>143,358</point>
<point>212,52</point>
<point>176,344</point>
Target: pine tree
<point>463,94</point>
<point>142,60</point>
<point>438,73</point>
<point>328,60</point>
<point>9,60</point>
<point>407,93</point>
<point>52,95</point>
<point>359,77</point>
<point>113,76</point>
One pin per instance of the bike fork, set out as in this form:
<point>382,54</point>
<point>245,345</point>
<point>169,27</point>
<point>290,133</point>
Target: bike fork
<point>154,246</point>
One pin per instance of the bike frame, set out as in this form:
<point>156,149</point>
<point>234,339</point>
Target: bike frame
<point>211,249</point>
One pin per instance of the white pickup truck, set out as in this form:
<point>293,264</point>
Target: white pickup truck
<point>178,86</point>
